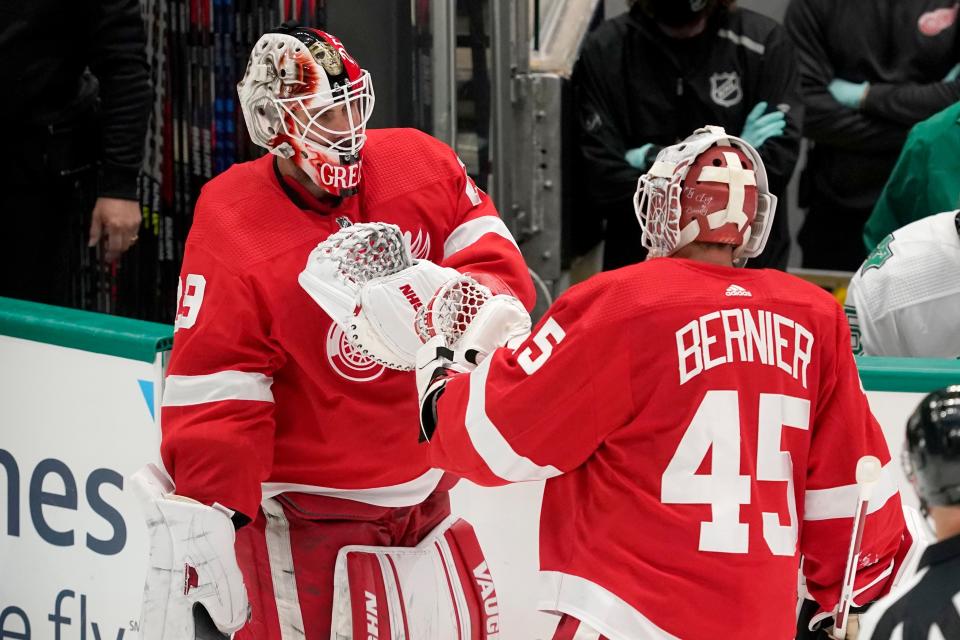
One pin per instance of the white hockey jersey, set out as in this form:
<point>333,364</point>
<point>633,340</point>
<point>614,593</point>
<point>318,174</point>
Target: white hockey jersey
<point>905,299</point>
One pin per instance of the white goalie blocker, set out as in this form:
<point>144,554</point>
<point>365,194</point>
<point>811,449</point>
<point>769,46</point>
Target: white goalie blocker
<point>194,589</point>
<point>366,279</point>
<point>442,589</point>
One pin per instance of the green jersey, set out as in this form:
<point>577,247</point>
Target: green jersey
<point>926,179</point>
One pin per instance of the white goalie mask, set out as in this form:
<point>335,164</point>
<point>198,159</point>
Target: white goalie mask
<point>304,98</point>
<point>712,187</point>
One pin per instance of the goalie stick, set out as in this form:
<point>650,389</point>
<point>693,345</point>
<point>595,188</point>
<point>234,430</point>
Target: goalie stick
<point>868,473</point>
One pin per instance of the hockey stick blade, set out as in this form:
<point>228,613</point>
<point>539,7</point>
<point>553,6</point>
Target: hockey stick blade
<point>203,626</point>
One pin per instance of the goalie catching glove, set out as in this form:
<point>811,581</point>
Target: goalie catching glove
<point>365,278</point>
<point>194,589</point>
<point>461,325</point>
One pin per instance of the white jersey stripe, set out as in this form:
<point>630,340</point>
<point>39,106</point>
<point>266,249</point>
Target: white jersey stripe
<point>182,391</point>
<point>841,502</point>
<point>590,603</point>
<point>472,230</point>
<point>490,444</point>
<point>743,41</point>
<point>405,494</point>
<point>880,578</point>
<point>280,555</point>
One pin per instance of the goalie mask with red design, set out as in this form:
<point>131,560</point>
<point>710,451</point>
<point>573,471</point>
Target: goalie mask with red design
<point>710,188</point>
<point>304,98</point>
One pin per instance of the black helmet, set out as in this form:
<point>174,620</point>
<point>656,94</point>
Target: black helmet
<point>932,460</point>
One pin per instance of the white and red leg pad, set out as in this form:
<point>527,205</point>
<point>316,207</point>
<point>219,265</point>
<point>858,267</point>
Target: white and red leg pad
<point>441,589</point>
<point>193,565</point>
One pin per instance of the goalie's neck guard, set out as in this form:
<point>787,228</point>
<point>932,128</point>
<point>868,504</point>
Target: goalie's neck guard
<point>712,187</point>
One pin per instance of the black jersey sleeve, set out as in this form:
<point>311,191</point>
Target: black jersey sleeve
<point>908,104</point>
<point>826,120</point>
<point>119,61</point>
<point>611,179</point>
<point>780,85</point>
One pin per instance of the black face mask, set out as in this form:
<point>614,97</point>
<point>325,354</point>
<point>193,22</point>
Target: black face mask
<point>677,13</point>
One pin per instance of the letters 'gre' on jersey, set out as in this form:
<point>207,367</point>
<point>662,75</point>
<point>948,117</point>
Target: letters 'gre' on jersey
<point>698,428</point>
<point>264,393</point>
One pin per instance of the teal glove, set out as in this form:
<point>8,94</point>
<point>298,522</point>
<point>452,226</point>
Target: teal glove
<point>849,94</point>
<point>638,158</point>
<point>953,75</point>
<point>761,126</point>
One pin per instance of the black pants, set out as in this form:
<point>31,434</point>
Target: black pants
<point>832,237</point>
<point>47,192</point>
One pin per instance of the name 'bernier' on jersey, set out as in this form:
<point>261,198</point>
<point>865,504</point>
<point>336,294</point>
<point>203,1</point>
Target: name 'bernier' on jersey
<point>726,336</point>
<point>678,505</point>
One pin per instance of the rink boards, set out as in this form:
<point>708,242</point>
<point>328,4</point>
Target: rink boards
<point>76,422</point>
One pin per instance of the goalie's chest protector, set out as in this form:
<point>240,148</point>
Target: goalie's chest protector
<point>342,421</point>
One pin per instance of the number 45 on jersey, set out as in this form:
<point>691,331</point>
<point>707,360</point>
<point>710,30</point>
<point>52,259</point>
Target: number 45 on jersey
<point>716,425</point>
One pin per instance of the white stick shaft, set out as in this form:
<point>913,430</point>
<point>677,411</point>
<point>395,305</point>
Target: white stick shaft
<point>868,469</point>
<point>850,572</point>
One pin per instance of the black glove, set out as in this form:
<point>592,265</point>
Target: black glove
<point>824,628</point>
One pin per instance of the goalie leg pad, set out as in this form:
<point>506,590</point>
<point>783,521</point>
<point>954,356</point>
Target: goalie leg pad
<point>193,577</point>
<point>438,590</point>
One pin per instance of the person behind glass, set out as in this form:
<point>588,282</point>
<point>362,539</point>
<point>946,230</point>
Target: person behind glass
<point>925,180</point>
<point>869,71</point>
<point>647,78</point>
<point>77,96</point>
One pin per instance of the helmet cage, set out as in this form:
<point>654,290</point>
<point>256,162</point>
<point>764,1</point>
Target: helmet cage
<point>657,205</point>
<point>657,199</point>
<point>287,95</point>
<point>302,117</point>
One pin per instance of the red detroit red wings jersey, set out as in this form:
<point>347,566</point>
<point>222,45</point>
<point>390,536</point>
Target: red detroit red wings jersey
<point>264,393</point>
<point>699,428</point>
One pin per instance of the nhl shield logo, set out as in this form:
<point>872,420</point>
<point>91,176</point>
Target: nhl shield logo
<point>725,89</point>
